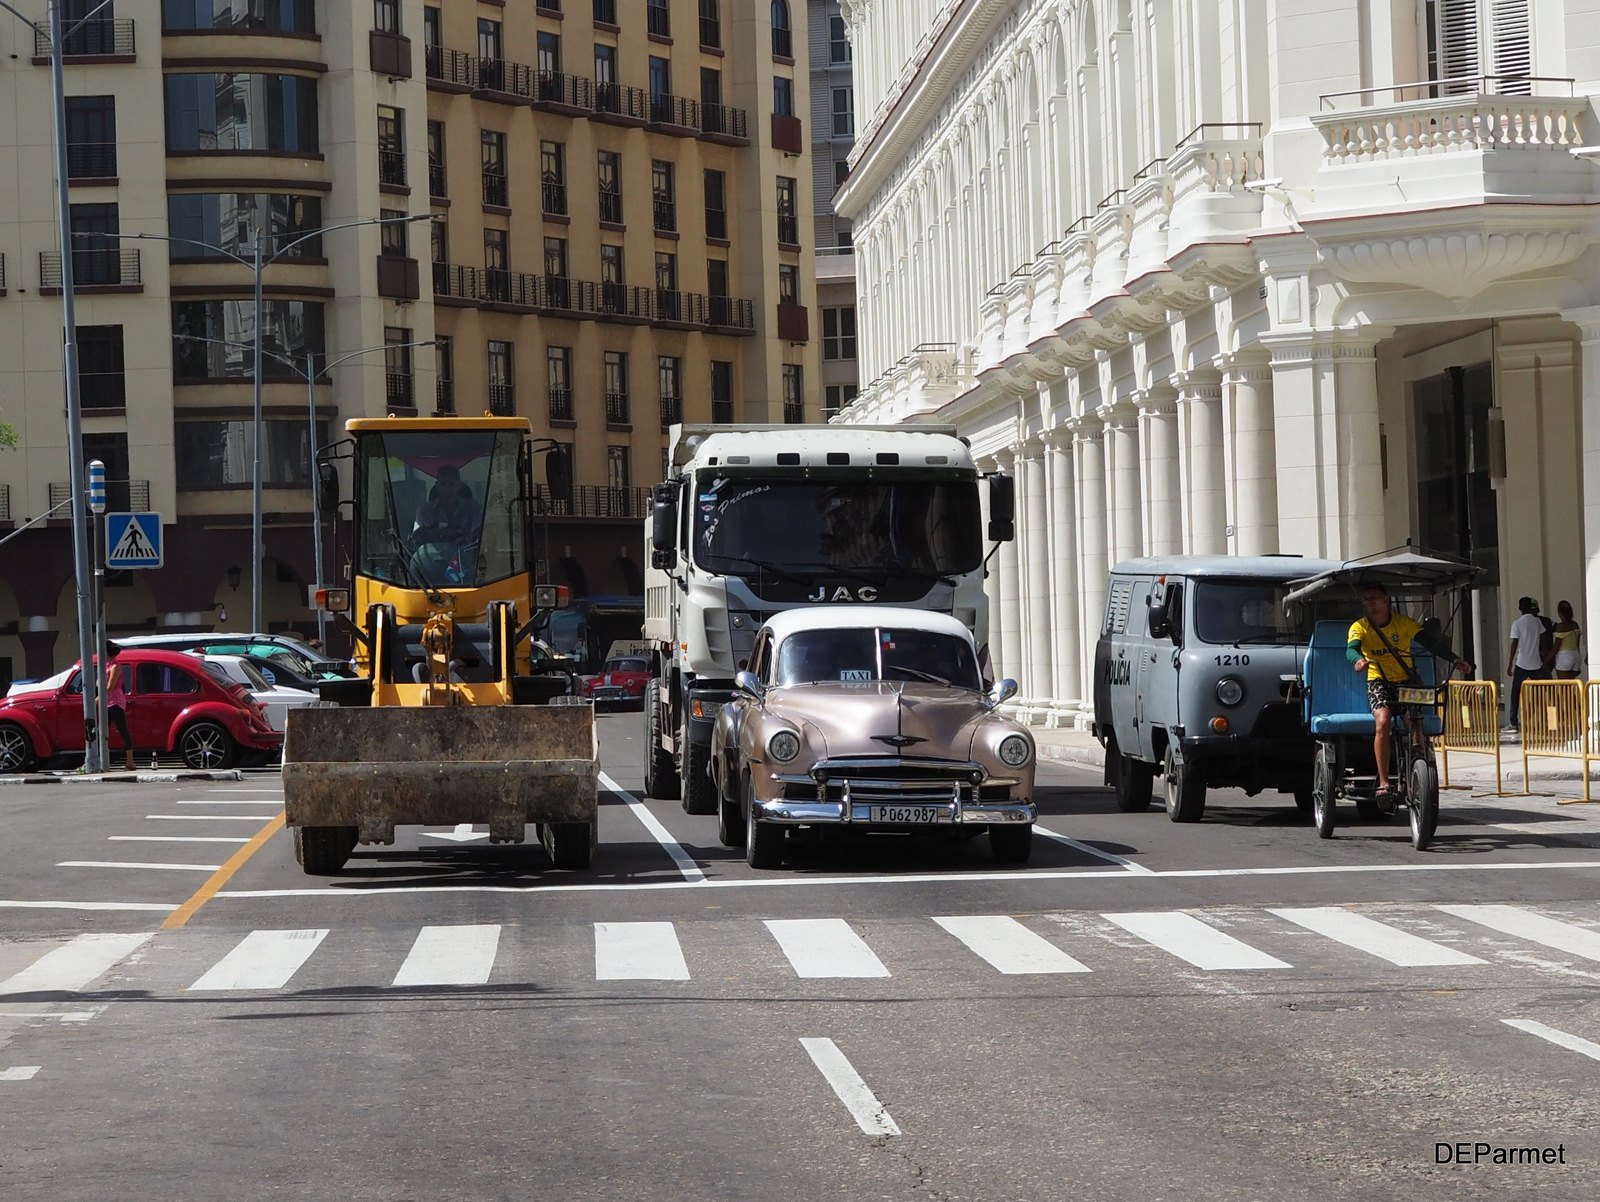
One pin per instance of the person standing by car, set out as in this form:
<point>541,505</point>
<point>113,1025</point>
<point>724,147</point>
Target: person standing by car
<point>1380,644</point>
<point>1568,638</point>
<point>1526,658</point>
<point>116,707</point>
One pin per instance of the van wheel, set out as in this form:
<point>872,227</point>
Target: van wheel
<point>1135,784</point>
<point>1186,790</point>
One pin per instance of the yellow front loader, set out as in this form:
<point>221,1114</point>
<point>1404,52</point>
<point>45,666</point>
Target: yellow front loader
<point>449,720</point>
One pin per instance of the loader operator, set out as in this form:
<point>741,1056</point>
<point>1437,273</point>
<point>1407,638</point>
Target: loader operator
<point>446,530</point>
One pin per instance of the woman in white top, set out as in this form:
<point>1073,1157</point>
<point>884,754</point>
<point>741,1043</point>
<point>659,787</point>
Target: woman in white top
<point>1568,638</point>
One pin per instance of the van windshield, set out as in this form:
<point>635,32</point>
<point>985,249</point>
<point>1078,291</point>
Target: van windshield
<point>1252,611</point>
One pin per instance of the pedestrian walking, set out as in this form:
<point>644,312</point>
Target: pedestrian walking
<point>1568,638</point>
<point>116,708</point>
<point>1526,658</point>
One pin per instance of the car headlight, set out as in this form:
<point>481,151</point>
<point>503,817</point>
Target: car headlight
<point>784,746</point>
<point>1015,751</point>
<point>1230,690</point>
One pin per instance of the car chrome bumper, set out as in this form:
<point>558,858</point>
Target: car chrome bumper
<point>953,813</point>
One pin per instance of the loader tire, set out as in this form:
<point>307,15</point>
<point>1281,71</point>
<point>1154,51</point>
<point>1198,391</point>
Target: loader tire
<point>660,773</point>
<point>570,844</point>
<point>323,850</point>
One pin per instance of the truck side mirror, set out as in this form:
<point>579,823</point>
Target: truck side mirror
<point>1002,509</point>
<point>327,489</point>
<point>1160,623</point>
<point>558,475</point>
<point>664,524</point>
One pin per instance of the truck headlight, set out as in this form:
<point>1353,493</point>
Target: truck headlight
<point>784,746</point>
<point>1230,690</point>
<point>1015,751</point>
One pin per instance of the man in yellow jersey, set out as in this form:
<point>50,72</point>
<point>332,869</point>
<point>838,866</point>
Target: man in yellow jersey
<point>1380,645</point>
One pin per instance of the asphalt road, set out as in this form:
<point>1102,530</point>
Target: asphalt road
<point>1234,1010</point>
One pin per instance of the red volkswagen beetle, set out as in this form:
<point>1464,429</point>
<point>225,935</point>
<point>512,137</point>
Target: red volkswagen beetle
<point>174,704</point>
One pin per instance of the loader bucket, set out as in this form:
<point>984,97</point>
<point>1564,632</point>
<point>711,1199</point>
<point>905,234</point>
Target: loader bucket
<point>369,770</point>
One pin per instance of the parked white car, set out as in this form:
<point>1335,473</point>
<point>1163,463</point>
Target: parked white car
<point>277,700</point>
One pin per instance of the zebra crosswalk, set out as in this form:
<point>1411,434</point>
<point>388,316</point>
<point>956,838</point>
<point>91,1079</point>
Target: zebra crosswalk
<point>1467,938</point>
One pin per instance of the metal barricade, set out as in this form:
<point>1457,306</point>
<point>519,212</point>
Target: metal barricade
<point>1555,724</point>
<point>1471,724</point>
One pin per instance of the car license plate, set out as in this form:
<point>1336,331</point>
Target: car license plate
<point>908,814</point>
<point>1418,697</point>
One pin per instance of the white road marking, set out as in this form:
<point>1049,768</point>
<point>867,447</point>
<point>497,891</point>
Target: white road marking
<point>686,865</point>
<point>1572,1043</point>
<point>638,951</point>
<point>1186,937</point>
<point>71,967</point>
<point>1090,850</point>
<point>1525,924</point>
<point>156,907</point>
<point>177,839</point>
<point>134,864</point>
<point>1008,945</point>
<point>454,955</point>
<point>218,801</point>
<point>23,1072</point>
<point>850,1089</point>
<point>825,947</point>
<point>463,833</point>
<point>236,792</point>
<point>1375,938</point>
<point>262,960</point>
<point>256,818</point>
<point>66,1016</point>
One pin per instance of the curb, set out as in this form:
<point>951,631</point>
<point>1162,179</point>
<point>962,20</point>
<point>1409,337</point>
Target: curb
<point>1088,757</point>
<point>123,778</point>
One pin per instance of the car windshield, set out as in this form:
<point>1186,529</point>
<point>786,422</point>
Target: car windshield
<point>1252,611</point>
<point>861,655</point>
<point>627,665</point>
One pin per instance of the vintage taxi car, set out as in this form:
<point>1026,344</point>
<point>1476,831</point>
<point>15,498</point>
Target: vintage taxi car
<point>874,718</point>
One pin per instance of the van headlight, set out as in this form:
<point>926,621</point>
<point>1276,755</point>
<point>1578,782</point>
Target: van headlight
<point>783,746</point>
<point>1230,690</point>
<point>1015,751</point>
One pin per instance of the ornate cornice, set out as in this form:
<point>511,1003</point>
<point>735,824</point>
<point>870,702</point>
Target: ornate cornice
<point>1457,264</point>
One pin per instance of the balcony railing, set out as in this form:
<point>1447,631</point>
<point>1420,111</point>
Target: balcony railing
<point>678,111</point>
<point>658,20</point>
<point>598,501</point>
<point>400,390</point>
<point>788,229</point>
<point>724,119</point>
<point>392,167</point>
<point>494,190</point>
<point>782,43</point>
<point>794,413</point>
<point>722,412</point>
<point>567,296</point>
<point>125,496</point>
<point>503,400</point>
<point>554,198</point>
<point>436,179</point>
<point>92,268</point>
<point>1479,121</point>
<point>455,67</point>
<point>91,160</point>
<point>103,389</point>
<point>611,207</point>
<point>716,223</point>
<point>561,405</point>
<point>444,395</point>
<point>622,100</point>
<point>570,91</point>
<point>616,409</point>
<point>671,410</point>
<point>98,37</point>
<point>666,216</point>
<point>456,281</point>
<point>732,312</point>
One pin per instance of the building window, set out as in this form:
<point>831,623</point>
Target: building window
<point>553,176</point>
<point>658,18</point>
<point>841,172</point>
<point>391,146</point>
<point>782,96</point>
<point>610,164</point>
<point>489,43</point>
<point>666,211</point>
<point>837,397</point>
<point>839,333</point>
<point>613,294</point>
<point>227,221</point>
<point>1468,39</point>
<point>710,24</point>
<point>432,37</point>
<point>291,330</point>
<point>100,375</point>
<point>548,48</point>
<point>616,387</point>
<point>444,375</point>
<point>231,16</point>
<point>558,288</point>
<point>782,40</point>
<point>437,186</point>
<point>220,454</point>
<point>394,237</point>
<point>711,113</point>
<point>788,214</point>
<point>662,108</point>
<point>242,112</point>
<point>844,113</point>
<point>399,377</point>
<point>496,265</point>
<point>788,284</point>
<point>669,377</point>
<point>438,242</point>
<point>721,390</point>
<point>91,137</point>
<point>605,12</point>
<point>502,389</point>
<point>716,205</point>
<point>558,365</point>
<point>494,169</point>
<point>96,246</point>
<point>617,467</point>
<point>793,394</point>
<point>838,41</point>
<point>386,16</point>
<point>605,72</point>
<point>669,304</point>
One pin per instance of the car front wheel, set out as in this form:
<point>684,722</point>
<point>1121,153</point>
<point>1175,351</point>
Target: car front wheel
<point>206,745</point>
<point>763,841</point>
<point>16,749</point>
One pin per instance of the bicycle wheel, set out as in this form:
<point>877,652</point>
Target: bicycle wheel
<point>1422,798</point>
<point>1324,785</point>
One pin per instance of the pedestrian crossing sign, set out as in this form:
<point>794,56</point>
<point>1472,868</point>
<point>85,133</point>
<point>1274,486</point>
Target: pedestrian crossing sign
<point>133,540</point>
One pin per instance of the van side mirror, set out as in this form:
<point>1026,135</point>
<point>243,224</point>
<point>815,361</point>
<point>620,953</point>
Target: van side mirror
<point>1160,622</point>
<point>1002,509</point>
<point>327,489</point>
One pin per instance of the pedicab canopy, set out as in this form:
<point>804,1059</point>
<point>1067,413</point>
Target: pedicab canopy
<point>1400,572</point>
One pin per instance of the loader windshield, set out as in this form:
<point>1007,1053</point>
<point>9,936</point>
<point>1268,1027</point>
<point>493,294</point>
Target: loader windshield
<point>440,509</point>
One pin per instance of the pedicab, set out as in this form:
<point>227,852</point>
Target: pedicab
<point>1337,711</point>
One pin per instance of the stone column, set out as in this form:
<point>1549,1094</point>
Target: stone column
<point>38,648</point>
<point>1255,472</point>
<point>1200,428</point>
<point>1588,321</point>
<point>1088,440</point>
<point>1011,659</point>
<point>1039,688</point>
<point>1158,421</point>
<point>1066,687</point>
<point>1122,480</point>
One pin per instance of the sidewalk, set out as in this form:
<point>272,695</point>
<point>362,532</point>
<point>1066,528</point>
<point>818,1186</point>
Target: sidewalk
<point>155,777</point>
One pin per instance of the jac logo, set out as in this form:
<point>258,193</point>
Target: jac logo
<point>1118,671</point>
<point>865,593</point>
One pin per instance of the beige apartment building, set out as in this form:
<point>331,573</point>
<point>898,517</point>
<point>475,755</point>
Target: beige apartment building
<point>607,197</point>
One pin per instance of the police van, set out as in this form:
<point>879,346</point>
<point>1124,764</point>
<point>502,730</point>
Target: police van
<point>1197,675</point>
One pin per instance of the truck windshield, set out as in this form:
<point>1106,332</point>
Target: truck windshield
<point>1251,611</point>
<point>857,655</point>
<point>440,509</point>
<point>926,527</point>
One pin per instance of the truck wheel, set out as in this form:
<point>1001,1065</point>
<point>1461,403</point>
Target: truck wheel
<point>1135,782</point>
<point>730,822</point>
<point>1011,843</point>
<point>763,846</point>
<point>323,850</point>
<point>1186,790</point>
<point>16,749</point>
<point>699,790</point>
<point>660,774</point>
<point>569,844</point>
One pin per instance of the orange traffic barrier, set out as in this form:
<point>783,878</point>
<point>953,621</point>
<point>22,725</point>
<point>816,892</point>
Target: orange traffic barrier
<point>1471,725</point>
<point>1554,715</point>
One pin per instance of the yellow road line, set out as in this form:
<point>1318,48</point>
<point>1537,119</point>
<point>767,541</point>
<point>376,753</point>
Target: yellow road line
<point>221,876</point>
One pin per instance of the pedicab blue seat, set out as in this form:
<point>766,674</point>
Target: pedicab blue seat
<point>1336,694</point>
